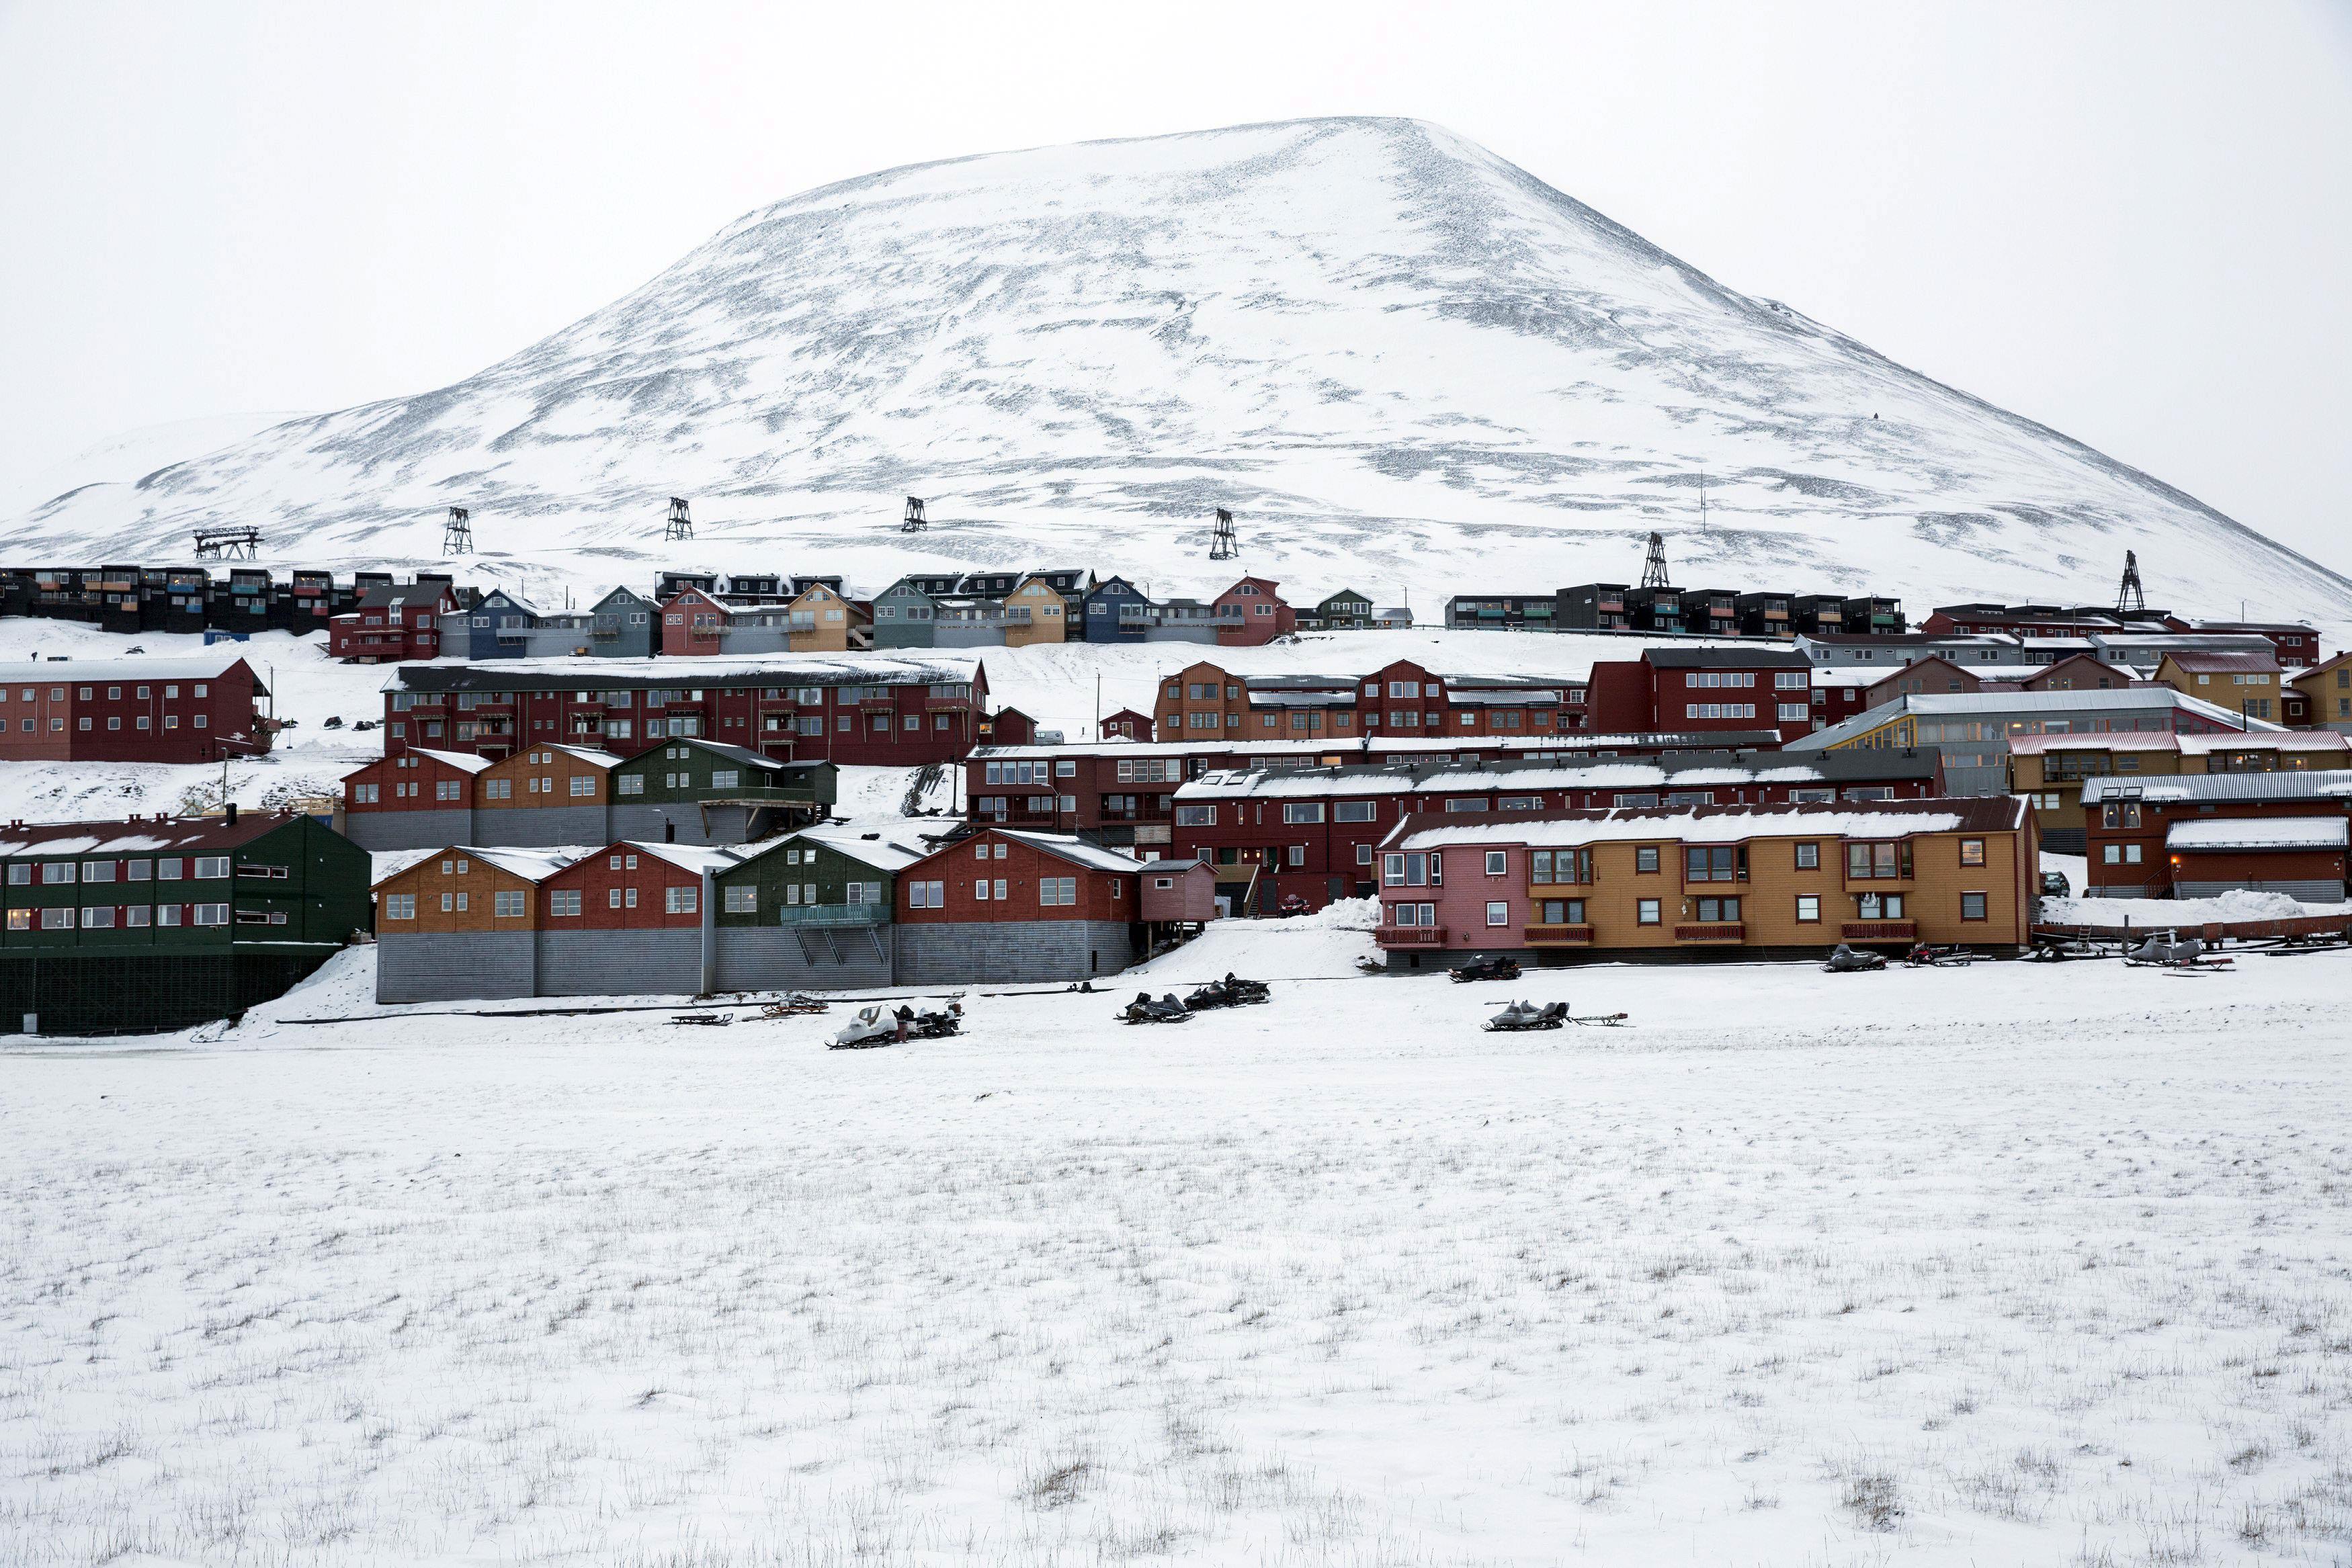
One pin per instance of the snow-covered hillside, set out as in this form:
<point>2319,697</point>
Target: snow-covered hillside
<point>1402,360</point>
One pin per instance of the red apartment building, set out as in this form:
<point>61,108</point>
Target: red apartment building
<point>390,623</point>
<point>195,709</point>
<point>1701,690</point>
<point>1263,615</point>
<point>1206,702</point>
<point>2196,835</point>
<point>884,713</point>
<point>1126,793</point>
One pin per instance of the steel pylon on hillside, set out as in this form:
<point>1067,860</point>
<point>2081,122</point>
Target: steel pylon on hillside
<point>458,533</point>
<point>1223,545</point>
<point>917,521</point>
<point>2129,598</point>
<point>680,525</point>
<point>1653,569</point>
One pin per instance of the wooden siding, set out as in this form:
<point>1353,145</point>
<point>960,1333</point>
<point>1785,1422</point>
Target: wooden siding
<point>460,876</point>
<point>553,768</point>
<point>1101,894</point>
<point>621,868</point>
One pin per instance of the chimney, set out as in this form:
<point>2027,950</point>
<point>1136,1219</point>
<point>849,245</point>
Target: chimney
<point>231,814</point>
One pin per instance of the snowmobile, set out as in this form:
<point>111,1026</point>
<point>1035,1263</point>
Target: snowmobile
<point>1229,992</point>
<point>1143,1009</point>
<point>1293,905</point>
<point>2158,953</point>
<point>1845,960</point>
<point>1489,969</point>
<point>930,1025</point>
<point>1925,955</point>
<point>872,1027</point>
<point>1526,1015</point>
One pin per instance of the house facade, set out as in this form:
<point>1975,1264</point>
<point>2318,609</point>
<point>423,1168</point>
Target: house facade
<point>2198,836</point>
<point>1004,905</point>
<point>1708,882</point>
<point>905,617</point>
<point>866,711</point>
<point>1257,610</point>
<point>164,923</point>
<point>393,622</point>
<point>1703,689</point>
<point>192,709</point>
<point>2050,771</point>
<point>1114,612</point>
<point>2246,684</point>
<point>813,910</point>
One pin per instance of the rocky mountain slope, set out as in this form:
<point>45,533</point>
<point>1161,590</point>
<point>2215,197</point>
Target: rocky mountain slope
<point>1407,365</point>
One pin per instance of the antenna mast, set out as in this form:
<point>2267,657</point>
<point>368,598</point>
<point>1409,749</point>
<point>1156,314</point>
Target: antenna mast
<point>1223,545</point>
<point>2128,598</point>
<point>915,521</point>
<point>680,525</point>
<point>1654,570</point>
<point>1702,499</point>
<point>458,533</point>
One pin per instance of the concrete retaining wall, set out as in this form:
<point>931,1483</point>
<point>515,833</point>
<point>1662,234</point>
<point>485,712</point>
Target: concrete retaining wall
<point>2329,891</point>
<point>619,963</point>
<point>970,953</point>
<point>410,830</point>
<point>440,967</point>
<point>800,958</point>
<point>541,827</point>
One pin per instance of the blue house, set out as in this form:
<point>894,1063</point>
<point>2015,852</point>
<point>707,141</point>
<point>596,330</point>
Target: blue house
<point>1104,622</point>
<point>905,616</point>
<point>500,626</point>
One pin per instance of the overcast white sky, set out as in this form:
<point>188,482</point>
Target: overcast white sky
<point>2131,222</point>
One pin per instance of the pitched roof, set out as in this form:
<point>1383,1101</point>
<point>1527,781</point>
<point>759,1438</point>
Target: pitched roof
<point>180,667</point>
<point>132,836</point>
<point>688,857</point>
<point>2197,664</point>
<point>2213,788</point>
<point>2130,699</point>
<point>463,761</point>
<point>888,846</point>
<point>1074,850</point>
<point>1725,658</point>
<point>895,666</point>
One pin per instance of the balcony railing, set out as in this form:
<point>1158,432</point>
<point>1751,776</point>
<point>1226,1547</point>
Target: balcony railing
<point>1412,936</point>
<point>1718,932</point>
<point>1879,931</point>
<point>833,914</point>
<point>1570,934</point>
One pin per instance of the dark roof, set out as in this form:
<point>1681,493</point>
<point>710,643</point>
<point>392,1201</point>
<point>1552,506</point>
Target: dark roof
<point>403,592</point>
<point>675,674</point>
<point>1976,813</point>
<point>137,836</point>
<point>1726,659</point>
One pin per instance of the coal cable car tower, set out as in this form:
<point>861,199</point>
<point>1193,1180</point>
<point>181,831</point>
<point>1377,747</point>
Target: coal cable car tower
<point>458,533</point>
<point>2129,597</point>
<point>1654,570</point>
<point>1223,543</point>
<point>680,525</point>
<point>916,520</point>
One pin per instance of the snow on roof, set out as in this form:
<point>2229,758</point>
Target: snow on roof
<point>463,761</point>
<point>734,753</point>
<point>1073,849</point>
<point>2293,784</point>
<point>890,846</point>
<point>1931,705</point>
<point>2257,834</point>
<point>1715,768</point>
<point>532,865</point>
<point>2280,740</point>
<point>693,857</point>
<point>180,667</point>
<point>1722,826</point>
<point>185,834</point>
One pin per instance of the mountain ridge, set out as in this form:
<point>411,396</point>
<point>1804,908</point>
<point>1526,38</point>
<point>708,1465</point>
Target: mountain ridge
<point>1379,341</point>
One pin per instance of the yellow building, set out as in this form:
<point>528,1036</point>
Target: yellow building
<point>2326,690</point>
<point>822,621</point>
<point>2245,684</point>
<point>1036,611</point>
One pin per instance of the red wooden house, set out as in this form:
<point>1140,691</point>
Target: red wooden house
<point>418,799</point>
<point>1263,615</point>
<point>397,622</point>
<point>2196,835</point>
<point>1126,725</point>
<point>194,709</point>
<point>691,624</point>
<point>632,917</point>
<point>1007,905</point>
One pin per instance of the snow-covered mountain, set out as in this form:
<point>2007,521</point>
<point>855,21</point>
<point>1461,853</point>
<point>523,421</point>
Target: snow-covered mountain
<point>1404,363</point>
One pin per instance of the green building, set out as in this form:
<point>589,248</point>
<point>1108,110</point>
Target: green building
<point>145,925</point>
<point>1346,610</point>
<point>813,910</point>
<point>708,792</point>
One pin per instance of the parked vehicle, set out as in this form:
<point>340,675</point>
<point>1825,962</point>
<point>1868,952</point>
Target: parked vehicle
<point>1489,969</point>
<point>1845,960</point>
<point>1926,956</point>
<point>930,1024</point>
<point>2055,885</point>
<point>1143,1009</point>
<point>872,1027</point>
<point>1229,992</point>
<point>1526,1015</point>
<point>2161,952</point>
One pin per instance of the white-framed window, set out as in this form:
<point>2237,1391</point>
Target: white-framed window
<point>612,897</point>
<point>979,889</point>
<point>1499,863</point>
<point>927,895</point>
<point>1809,909</point>
<point>742,900</point>
<point>681,900</point>
<point>1057,890</point>
<point>211,915</point>
<point>508,906</point>
<point>1646,911</point>
<point>1498,912</point>
<point>210,866</point>
<point>565,902</point>
<point>1355,811</point>
<point>583,784</point>
<point>1302,811</point>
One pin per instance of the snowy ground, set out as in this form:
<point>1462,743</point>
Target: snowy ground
<point>1777,1274</point>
